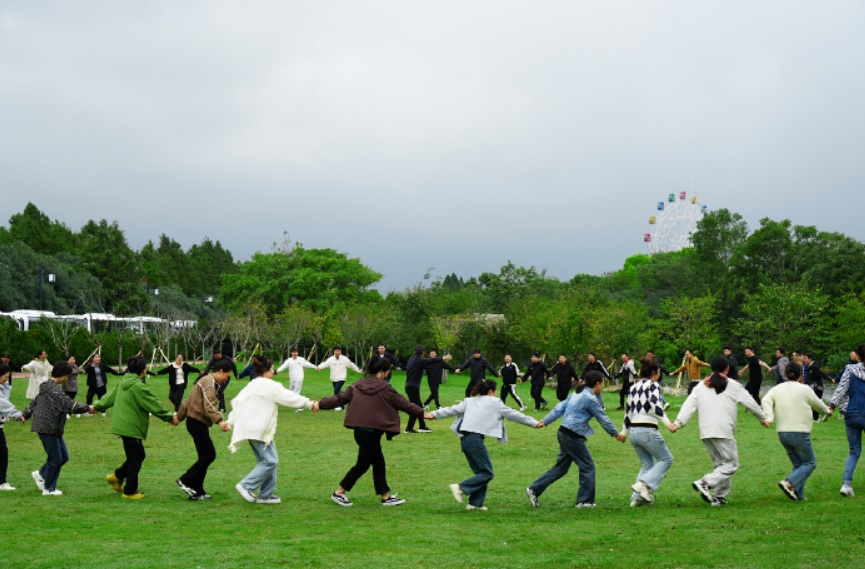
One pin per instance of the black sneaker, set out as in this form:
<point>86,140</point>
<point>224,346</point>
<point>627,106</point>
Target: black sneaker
<point>189,491</point>
<point>341,499</point>
<point>703,488</point>
<point>719,501</point>
<point>393,501</point>
<point>410,432</point>
<point>200,497</point>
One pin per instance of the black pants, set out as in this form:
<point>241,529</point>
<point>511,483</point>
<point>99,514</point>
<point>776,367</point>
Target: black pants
<point>93,391</point>
<point>71,394</point>
<point>692,385</point>
<point>414,396</point>
<point>175,394</point>
<point>221,394</point>
<point>537,395</point>
<point>623,392</point>
<point>562,391</point>
<point>128,471</point>
<point>200,433</point>
<point>753,387</point>
<point>433,394</point>
<point>4,456</point>
<point>511,389</point>
<point>369,453</point>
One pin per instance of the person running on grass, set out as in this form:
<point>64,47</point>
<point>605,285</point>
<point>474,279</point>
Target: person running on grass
<point>538,373</point>
<point>253,418</point>
<point>434,374</point>
<point>791,404</point>
<point>716,400</point>
<point>414,368</point>
<point>481,415</point>
<point>201,411</point>
<point>576,411</point>
<point>49,410</point>
<point>645,409</point>
<point>510,374</point>
<point>373,413</point>
<point>478,366</point>
<point>133,403</point>
<point>566,377</point>
<point>849,398</point>
<point>338,365</point>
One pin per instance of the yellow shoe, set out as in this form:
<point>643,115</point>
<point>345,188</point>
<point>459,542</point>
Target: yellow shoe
<point>136,496</point>
<point>114,482</point>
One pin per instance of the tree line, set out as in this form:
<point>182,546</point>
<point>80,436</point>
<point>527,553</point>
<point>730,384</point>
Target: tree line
<point>779,284</point>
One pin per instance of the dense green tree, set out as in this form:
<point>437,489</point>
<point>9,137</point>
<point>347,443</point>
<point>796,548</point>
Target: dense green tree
<point>36,230</point>
<point>105,254</point>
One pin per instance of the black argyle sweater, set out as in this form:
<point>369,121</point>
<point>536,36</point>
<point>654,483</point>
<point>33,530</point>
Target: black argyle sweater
<point>644,405</point>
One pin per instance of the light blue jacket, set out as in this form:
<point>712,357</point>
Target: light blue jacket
<point>484,415</point>
<point>577,410</point>
<point>7,410</point>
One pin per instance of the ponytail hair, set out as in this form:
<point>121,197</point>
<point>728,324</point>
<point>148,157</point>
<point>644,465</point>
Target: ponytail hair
<point>590,380</point>
<point>261,364</point>
<point>793,371</point>
<point>484,387</point>
<point>718,381</point>
<point>648,366</point>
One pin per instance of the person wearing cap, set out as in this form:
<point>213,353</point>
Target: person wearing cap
<point>49,409</point>
<point>7,411</point>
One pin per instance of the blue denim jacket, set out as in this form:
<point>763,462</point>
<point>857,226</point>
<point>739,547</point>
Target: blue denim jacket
<point>577,410</point>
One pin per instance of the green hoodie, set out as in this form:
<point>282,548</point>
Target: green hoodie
<point>132,401</point>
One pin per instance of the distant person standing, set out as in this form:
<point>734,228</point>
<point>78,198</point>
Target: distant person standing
<point>627,374</point>
<point>594,364</point>
<point>39,370</point>
<point>413,376</point>
<point>338,365</point>
<point>754,369</point>
<point>510,373</point>
<point>295,366</point>
<point>780,366</point>
<point>97,378</point>
<point>734,363</point>
<point>478,365</point>
<point>382,352</point>
<point>693,365</point>
<point>434,375</point>
<point>178,377</point>
<point>566,377</point>
<point>71,385</point>
<point>218,356</point>
<point>537,373</point>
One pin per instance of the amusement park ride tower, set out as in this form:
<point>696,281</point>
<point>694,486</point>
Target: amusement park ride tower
<point>674,223</point>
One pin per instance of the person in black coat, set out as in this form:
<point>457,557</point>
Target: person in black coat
<point>97,378</point>
<point>178,377</point>
<point>478,365</point>
<point>566,377</point>
<point>434,373</point>
<point>395,363</point>
<point>510,374</point>
<point>217,356</point>
<point>414,368</point>
<point>538,372</point>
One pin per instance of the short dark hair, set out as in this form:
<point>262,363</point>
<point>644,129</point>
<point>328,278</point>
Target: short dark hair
<point>536,354</point>
<point>61,368</point>
<point>781,350</point>
<point>136,364</point>
<point>221,365</point>
<point>476,351</point>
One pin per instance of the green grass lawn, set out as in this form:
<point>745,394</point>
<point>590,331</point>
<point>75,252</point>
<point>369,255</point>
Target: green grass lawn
<point>91,526</point>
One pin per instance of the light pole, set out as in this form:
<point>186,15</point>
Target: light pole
<point>51,278</point>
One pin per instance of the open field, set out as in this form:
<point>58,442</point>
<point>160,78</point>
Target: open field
<point>91,526</point>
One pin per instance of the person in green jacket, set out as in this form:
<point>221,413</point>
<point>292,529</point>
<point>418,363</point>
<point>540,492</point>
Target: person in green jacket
<point>132,401</point>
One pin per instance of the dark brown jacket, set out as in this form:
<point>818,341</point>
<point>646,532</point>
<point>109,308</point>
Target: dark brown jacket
<point>203,403</point>
<point>374,405</point>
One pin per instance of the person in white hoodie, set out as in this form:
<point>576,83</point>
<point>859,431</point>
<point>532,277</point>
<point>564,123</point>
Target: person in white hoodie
<point>482,415</point>
<point>253,418</point>
<point>295,365</point>
<point>338,365</point>
<point>40,371</point>
<point>791,404</point>
<point>716,400</point>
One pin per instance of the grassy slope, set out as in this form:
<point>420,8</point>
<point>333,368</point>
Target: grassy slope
<point>91,526</point>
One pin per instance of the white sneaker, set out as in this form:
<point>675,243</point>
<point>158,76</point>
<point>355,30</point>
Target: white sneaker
<point>847,490</point>
<point>37,478</point>
<point>788,489</point>
<point>77,415</point>
<point>299,410</point>
<point>478,508</point>
<point>247,495</point>
<point>6,486</point>
<point>270,500</point>
<point>426,407</point>
<point>457,492</point>
<point>52,493</point>
<point>585,505</point>
<point>104,415</point>
<point>68,416</point>
<point>337,408</point>
<point>523,408</point>
<point>644,491</point>
<point>533,498</point>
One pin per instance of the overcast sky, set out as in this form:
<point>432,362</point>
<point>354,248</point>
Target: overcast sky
<point>449,134</point>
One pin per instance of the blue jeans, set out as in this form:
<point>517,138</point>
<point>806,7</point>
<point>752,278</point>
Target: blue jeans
<point>58,455</point>
<point>263,476</point>
<point>655,457</point>
<point>855,424</point>
<point>801,453</point>
<point>479,461</point>
<point>337,387</point>
<point>571,450</point>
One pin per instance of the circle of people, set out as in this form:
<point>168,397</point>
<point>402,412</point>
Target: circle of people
<point>373,407</point>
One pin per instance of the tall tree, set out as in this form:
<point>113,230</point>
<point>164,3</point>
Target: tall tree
<point>105,254</point>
